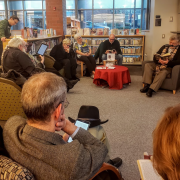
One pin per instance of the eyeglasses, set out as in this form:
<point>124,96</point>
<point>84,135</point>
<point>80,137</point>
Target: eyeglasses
<point>79,37</point>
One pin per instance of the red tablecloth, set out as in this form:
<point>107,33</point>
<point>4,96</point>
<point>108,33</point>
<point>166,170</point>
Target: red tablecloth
<point>114,77</point>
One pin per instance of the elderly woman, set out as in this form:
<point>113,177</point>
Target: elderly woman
<point>166,145</point>
<point>83,52</point>
<point>64,57</point>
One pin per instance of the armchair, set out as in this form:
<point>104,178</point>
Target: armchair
<point>170,83</point>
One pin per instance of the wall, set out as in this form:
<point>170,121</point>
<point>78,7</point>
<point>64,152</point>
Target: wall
<point>56,19</point>
<point>153,39</point>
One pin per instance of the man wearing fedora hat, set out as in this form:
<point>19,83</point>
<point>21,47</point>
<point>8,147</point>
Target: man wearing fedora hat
<point>91,114</point>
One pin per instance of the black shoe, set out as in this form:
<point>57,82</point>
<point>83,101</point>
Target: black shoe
<point>115,162</point>
<point>145,88</point>
<point>71,84</point>
<point>149,93</point>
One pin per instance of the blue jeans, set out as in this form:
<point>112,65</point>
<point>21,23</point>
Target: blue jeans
<point>118,57</point>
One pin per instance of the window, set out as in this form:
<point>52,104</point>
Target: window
<point>20,24</point>
<point>120,14</point>
<point>15,5</point>
<point>32,5</point>
<point>2,5</point>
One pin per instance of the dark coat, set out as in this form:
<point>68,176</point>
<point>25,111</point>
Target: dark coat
<point>99,52</point>
<point>174,62</point>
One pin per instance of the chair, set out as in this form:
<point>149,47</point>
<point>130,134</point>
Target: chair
<point>114,173</point>
<point>170,83</point>
<point>10,101</point>
<point>49,63</point>
<point>82,68</point>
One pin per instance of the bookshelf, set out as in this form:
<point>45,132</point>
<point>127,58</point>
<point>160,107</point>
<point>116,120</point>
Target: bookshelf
<point>132,46</point>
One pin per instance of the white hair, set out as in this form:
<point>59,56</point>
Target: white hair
<point>16,42</point>
<point>77,36</point>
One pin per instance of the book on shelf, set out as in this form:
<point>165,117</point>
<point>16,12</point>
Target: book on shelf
<point>74,31</point>
<point>86,31</point>
<point>138,31</point>
<point>120,32</point>
<point>81,32</point>
<point>131,32</point>
<point>94,49</point>
<point>126,31</point>
<point>147,171</point>
<point>106,31</point>
<point>114,31</point>
<point>68,31</point>
<point>99,31</point>
<point>93,31</point>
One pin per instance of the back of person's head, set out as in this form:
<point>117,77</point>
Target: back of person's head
<point>166,145</point>
<point>16,42</point>
<point>174,37</point>
<point>41,94</point>
<point>14,17</point>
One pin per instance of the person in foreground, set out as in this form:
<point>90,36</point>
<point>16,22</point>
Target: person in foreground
<point>5,26</point>
<point>111,44</point>
<point>166,145</point>
<point>15,57</point>
<point>64,57</point>
<point>161,68</point>
<point>33,142</point>
<point>83,52</point>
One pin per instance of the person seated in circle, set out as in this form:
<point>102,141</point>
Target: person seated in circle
<point>64,57</point>
<point>166,145</point>
<point>83,52</point>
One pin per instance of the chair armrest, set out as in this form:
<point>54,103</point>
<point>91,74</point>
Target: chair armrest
<point>175,76</point>
<point>111,168</point>
<point>143,65</point>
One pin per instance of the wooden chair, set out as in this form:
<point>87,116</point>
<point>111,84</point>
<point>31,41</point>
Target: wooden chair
<point>114,173</point>
<point>10,99</point>
<point>81,64</point>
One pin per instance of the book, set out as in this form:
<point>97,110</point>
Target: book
<point>93,31</point>
<point>131,32</point>
<point>163,57</point>
<point>86,31</point>
<point>110,56</point>
<point>81,32</point>
<point>114,31</point>
<point>120,32</point>
<point>147,172</point>
<point>99,31</point>
<point>106,31</point>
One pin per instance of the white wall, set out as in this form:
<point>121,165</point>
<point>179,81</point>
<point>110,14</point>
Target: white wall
<point>153,38</point>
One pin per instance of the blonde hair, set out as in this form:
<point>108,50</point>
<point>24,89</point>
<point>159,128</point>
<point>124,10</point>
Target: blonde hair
<point>166,144</point>
<point>66,41</point>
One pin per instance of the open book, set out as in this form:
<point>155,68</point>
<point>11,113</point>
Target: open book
<point>163,57</point>
<point>147,171</point>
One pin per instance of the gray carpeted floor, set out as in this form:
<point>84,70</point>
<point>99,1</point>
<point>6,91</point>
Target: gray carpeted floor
<point>132,117</point>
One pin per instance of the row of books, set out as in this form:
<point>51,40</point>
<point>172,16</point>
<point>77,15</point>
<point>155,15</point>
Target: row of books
<point>134,59</point>
<point>102,31</point>
<point>130,41</point>
<point>93,42</point>
<point>131,50</point>
<point>28,33</point>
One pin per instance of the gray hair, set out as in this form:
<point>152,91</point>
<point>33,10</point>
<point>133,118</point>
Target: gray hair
<point>174,37</point>
<point>77,36</point>
<point>16,42</point>
<point>41,94</point>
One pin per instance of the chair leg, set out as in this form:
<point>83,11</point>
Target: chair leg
<point>143,84</point>
<point>174,91</point>
<point>81,69</point>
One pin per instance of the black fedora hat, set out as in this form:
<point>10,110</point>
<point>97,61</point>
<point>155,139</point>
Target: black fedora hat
<point>89,113</point>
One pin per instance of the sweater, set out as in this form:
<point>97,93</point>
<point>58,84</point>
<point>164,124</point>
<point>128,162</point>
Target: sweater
<point>48,156</point>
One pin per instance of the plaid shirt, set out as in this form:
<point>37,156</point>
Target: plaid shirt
<point>4,29</point>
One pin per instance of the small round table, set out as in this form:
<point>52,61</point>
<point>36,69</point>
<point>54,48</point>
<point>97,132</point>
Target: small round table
<point>114,77</point>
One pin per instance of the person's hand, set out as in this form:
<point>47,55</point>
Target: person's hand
<point>106,52</point>
<point>69,127</point>
<point>61,123</point>
<point>115,52</point>
<point>166,61</point>
<point>42,59</point>
<point>3,39</point>
<point>88,54</point>
<point>67,50</point>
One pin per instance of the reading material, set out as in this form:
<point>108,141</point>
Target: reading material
<point>163,57</point>
<point>147,171</point>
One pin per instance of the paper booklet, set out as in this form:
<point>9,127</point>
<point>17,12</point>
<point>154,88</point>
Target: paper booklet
<point>110,56</point>
<point>147,171</point>
<point>163,57</point>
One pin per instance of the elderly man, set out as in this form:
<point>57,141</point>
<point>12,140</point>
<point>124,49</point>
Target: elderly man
<point>33,142</point>
<point>5,26</point>
<point>161,67</point>
<point>111,44</point>
<point>14,57</point>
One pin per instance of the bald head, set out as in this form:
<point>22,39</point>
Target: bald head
<point>111,38</point>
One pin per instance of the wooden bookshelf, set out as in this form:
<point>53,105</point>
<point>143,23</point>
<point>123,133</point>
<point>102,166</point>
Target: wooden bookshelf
<point>138,56</point>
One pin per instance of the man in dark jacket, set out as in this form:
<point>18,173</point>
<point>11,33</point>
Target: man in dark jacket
<point>112,44</point>
<point>161,66</point>
<point>15,57</point>
<point>5,26</point>
<point>61,53</point>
